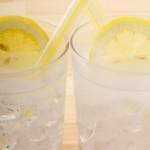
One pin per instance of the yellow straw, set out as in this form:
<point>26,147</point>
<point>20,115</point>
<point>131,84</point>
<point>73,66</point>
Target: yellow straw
<point>75,9</point>
<point>70,16</point>
<point>96,12</point>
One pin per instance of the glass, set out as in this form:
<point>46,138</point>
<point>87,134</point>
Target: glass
<point>32,100</point>
<point>113,105</point>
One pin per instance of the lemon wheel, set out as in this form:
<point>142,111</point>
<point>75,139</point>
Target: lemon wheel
<point>123,41</point>
<point>21,42</point>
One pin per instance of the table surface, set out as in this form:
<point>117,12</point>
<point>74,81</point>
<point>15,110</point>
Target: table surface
<point>70,125</point>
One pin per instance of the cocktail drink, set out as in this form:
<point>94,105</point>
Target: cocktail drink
<point>31,96</point>
<point>112,84</point>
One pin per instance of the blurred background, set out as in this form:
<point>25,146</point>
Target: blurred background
<point>58,7</point>
<point>47,6</point>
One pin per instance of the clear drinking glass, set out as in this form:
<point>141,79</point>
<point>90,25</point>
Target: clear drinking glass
<point>32,105</point>
<point>32,100</point>
<point>113,105</point>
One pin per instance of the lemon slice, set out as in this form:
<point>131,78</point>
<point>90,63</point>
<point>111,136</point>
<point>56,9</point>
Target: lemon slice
<point>21,42</point>
<point>124,41</point>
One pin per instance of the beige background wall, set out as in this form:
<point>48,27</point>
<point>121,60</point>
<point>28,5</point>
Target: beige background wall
<point>59,6</point>
<point>48,6</point>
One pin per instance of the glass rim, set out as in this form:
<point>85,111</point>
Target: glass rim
<point>72,40</point>
<point>85,59</point>
<point>37,68</point>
